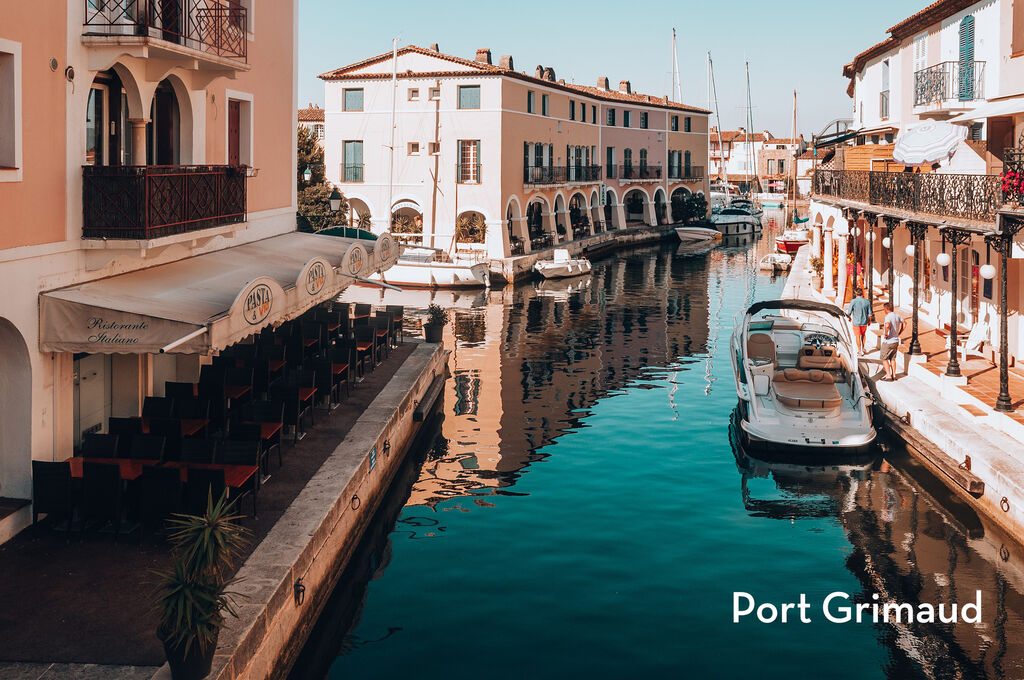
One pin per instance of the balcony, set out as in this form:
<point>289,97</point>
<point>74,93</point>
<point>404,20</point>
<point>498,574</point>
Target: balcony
<point>562,174</point>
<point>1012,179</point>
<point>468,173</point>
<point>972,198</point>
<point>352,172</point>
<point>152,201</point>
<point>949,85</point>
<point>686,172</point>
<point>639,172</point>
<point>216,28</point>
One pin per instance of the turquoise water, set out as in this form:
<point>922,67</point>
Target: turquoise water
<point>582,512</point>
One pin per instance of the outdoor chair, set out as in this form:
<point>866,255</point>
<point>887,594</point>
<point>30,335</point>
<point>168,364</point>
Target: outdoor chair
<point>294,408</point>
<point>101,495</point>
<point>244,453</point>
<point>397,316</point>
<point>247,433</point>
<point>147,447</point>
<point>267,413</point>
<point>179,390</point>
<point>203,485</point>
<point>170,430</point>
<point>366,347</point>
<point>262,378</point>
<point>974,341</point>
<point>95,445</point>
<point>382,330</point>
<point>342,358</point>
<point>198,451</point>
<point>125,429</point>
<point>192,409</point>
<point>157,407</point>
<point>160,496</point>
<point>51,491</point>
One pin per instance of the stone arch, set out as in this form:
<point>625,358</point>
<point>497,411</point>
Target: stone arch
<point>612,210</point>
<point>407,219</point>
<point>579,216</point>
<point>515,227</point>
<point>360,211</point>
<point>561,218</point>
<point>636,205</point>
<point>660,208</point>
<point>15,413</point>
<point>186,116</point>
<point>678,203</point>
<point>539,221</point>
<point>470,227</point>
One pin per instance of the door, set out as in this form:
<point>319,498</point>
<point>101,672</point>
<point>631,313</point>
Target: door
<point>164,127</point>
<point>95,126</point>
<point>354,161</point>
<point>234,125</point>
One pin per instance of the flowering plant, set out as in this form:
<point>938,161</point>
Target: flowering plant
<point>1012,182</point>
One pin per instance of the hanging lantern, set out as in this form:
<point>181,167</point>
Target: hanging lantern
<point>943,259</point>
<point>870,236</point>
<point>856,232</point>
<point>987,272</point>
<point>886,242</point>
<point>910,250</point>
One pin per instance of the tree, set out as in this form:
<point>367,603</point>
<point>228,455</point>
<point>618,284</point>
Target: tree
<point>695,207</point>
<point>314,209</point>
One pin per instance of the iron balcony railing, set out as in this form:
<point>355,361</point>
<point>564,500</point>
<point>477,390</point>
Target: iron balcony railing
<point>352,172</point>
<point>468,173</point>
<point>960,80</point>
<point>1012,179</point>
<point>686,172</point>
<point>151,201</point>
<point>968,197</point>
<point>561,174</point>
<point>639,172</point>
<point>217,27</point>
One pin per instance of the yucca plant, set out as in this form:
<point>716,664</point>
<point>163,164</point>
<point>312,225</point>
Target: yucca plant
<point>193,595</point>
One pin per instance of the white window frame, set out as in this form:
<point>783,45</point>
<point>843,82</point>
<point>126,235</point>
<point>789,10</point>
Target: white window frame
<point>413,151</point>
<point>434,148</point>
<point>246,138</point>
<point>413,94</point>
<point>434,94</point>
<point>104,124</point>
<point>13,114</point>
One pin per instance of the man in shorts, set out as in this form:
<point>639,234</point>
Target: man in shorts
<point>859,311</point>
<point>891,329</point>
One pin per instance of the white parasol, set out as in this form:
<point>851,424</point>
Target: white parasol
<point>927,143</point>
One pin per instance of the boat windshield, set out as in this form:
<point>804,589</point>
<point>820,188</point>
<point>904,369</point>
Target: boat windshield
<point>735,211</point>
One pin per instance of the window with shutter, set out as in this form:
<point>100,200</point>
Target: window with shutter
<point>965,67</point>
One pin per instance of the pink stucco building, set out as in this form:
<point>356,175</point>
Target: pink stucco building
<point>533,158</point>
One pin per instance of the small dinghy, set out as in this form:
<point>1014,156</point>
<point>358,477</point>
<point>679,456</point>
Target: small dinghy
<point>692,234</point>
<point>775,262</point>
<point>791,240</point>
<point>562,266</point>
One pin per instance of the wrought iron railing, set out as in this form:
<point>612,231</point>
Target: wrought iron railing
<point>639,172</point>
<point>961,80</point>
<point>1012,179</point>
<point>468,173</point>
<point>968,197</point>
<point>214,26</point>
<point>561,174</point>
<point>686,172</point>
<point>352,172</point>
<point>150,201</point>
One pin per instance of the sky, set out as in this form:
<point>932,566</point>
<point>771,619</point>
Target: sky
<point>793,44</point>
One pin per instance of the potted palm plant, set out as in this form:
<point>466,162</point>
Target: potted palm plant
<point>437,317</point>
<point>192,596</point>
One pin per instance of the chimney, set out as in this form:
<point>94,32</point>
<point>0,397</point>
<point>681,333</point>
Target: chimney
<point>549,74</point>
<point>483,56</point>
<point>602,82</point>
<point>505,61</point>
<point>624,86</point>
<point>539,73</point>
<point>434,47</point>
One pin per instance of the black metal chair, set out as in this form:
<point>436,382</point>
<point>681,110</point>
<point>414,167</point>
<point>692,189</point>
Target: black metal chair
<point>170,430</point>
<point>157,407</point>
<point>381,324</point>
<point>342,358</point>
<point>247,433</point>
<point>179,390</point>
<point>101,495</point>
<point>366,347</point>
<point>272,413</point>
<point>95,445</point>
<point>51,491</point>
<point>125,429</point>
<point>202,486</point>
<point>147,447</point>
<point>160,495</point>
<point>397,317</point>
<point>198,450</point>
<point>244,452</point>
<point>191,409</point>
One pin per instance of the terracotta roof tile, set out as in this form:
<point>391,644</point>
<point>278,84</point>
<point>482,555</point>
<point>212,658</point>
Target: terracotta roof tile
<point>311,114</point>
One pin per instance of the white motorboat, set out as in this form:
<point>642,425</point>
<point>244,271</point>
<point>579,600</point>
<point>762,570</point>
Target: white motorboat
<point>775,262</point>
<point>420,267</point>
<point>797,379</point>
<point>735,220</point>
<point>746,204</point>
<point>562,266</point>
<point>690,234</point>
<point>791,240</point>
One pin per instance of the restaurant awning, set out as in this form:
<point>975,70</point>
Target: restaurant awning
<point>1004,107</point>
<point>207,302</point>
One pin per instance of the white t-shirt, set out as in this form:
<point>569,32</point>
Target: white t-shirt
<point>893,327</point>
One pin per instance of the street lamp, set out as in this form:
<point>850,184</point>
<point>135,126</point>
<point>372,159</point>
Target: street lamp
<point>307,174</point>
<point>335,197</point>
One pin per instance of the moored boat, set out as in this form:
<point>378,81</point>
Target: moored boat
<point>791,240</point>
<point>562,266</point>
<point>736,220</point>
<point>797,380</point>
<point>776,262</point>
<point>419,267</point>
<point>688,234</point>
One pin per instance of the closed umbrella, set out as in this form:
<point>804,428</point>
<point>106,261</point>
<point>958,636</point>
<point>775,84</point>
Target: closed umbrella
<point>927,143</point>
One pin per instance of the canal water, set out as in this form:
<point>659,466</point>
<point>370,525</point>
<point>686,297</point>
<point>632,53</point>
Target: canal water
<point>577,509</point>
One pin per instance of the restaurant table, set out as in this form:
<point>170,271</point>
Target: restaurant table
<point>236,391</point>
<point>235,476</point>
<point>275,365</point>
<point>189,426</point>
<point>130,469</point>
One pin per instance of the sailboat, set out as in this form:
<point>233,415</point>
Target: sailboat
<point>423,266</point>
<point>795,236</point>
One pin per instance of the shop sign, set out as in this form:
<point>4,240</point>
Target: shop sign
<point>316,277</point>
<point>257,303</point>
<point>113,332</point>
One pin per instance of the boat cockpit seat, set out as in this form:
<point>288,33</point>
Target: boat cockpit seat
<point>761,346</point>
<point>810,389</point>
<point>820,358</point>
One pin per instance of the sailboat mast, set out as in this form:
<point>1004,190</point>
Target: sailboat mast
<point>394,105</point>
<point>677,86</point>
<point>713,91</point>
<point>792,170</point>
<point>756,184</point>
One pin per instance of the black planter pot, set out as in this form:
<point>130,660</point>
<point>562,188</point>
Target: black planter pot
<point>194,665</point>
<point>432,332</point>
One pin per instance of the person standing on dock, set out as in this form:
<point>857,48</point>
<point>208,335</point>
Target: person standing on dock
<point>891,329</point>
<point>859,311</point>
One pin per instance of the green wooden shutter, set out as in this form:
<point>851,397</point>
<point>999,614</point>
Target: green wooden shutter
<point>965,67</point>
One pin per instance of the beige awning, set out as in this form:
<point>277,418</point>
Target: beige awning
<point>210,301</point>
<point>993,109</point>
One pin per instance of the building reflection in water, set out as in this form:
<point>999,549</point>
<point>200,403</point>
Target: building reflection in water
<point>911,542</point>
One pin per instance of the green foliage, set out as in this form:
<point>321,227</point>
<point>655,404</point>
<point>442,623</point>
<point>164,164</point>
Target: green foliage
<point>471,228</point>
<point>404,224</point>
<point>311,155</point>
<point>437,315</point>
<point>364,221</point>
<point>817,264</point>
<point>696,207</point>
<point>315,207</point>
<point>193,595</point>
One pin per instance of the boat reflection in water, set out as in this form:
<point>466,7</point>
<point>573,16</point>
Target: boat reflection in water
<point>911,543</point>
